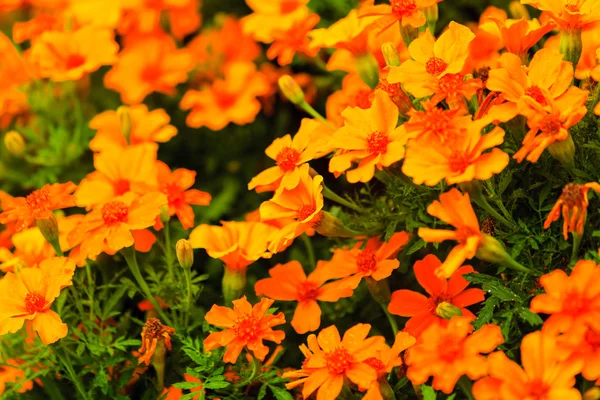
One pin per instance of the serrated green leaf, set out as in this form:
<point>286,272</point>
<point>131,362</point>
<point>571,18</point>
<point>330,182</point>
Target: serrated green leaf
<point>280,394</point>
<point>418,245</point>
<point>216,385</point>
<point>101,381</point>
<point>262,392</point>
<point>187,385</point>
<point>487,312</point>
<point>529,316</point>
<point>428,392</point>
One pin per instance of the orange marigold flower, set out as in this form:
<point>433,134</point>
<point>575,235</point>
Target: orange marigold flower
<point>454,209</point>
<point>459,160</point>
<point>295,39</point>
<point>407,12</point>
<point>583,344</point>
<point>349,33</point>
<point>231,99</point>
<point>10,372</point>
<point>354,93</point>
<point>70,55</point>
<point>572,205</point>
<point>544,375</point>
<point>595,74</point>
<point>288,282</point>
<point>109,227</point>
<point>152,64</point>
<point>29,30</point>
<point>28,295</point>
<point>330,360</point>
<point>171,393</point>
<point>568,14</point>
<point>146,126</point>
<point>376,260</point>
<point>371,136</point>
<point>153,332</point>
<point>436,123</point>
<point>245,326</point>
<point>237,244</point>
<point>448,352</point>
<point>304,204</point>
<point>570,300</point>
<point>519,35</point>
<point>119,171</point>
<point>422,309</point>
<point>39,204</point>
<point>269,18</point>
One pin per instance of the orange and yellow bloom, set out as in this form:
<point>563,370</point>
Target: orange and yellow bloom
<point>572,205</point>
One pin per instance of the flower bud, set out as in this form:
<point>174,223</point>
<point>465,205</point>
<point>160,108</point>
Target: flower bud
<point>564,152</point>
<point>164,214</point>
<point>14,143</point>
<point>491,250</point>
<point>518,10</point>
<point>185,253</point>
<point>571,45</point>
<point>330,225</point>
<point>447,311</point>
<point>592,394</point>
<point>49,228</point>
<point>408,34</point>
<point>390,54</point>
<point>234,284</point>
<point>431,16</point>
<point>368,69</point>
<point>125,121</point>
<point>291,90</point>
<point>380,290</point>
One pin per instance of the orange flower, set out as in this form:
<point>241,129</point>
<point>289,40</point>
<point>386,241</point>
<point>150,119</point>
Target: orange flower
<point>39,204</point>
<point>171,393</point>
<point>436,65</point>
<point>543,376</point>
<point>232,99</point>
<point>371,136</point>
<point>68,56</point>
<point>10,372</point>
<point>153,332</point>
<point>459,160</point>
<point>519,35</point>
<point>331,360</point>
<point>568,14</point>
<point>109,227</point>
<point>447,353</point>
<point>287,43</point>
<point>571,300</point>
<point>349,33</point>
<point>198,389</point>
<point>152,64</point>
<point>289,154</point>
<point>145,16</point>
<point>422,309</point>
<point>377,260</point>
<point>28,295</point>
<point>304,204</point>
<point>595,74</point>
<point>237,244</point>
<point>550,124</point>
<point>119,171</point>
<point>572,204</point>
<point>454,209</point>
<point>270,18</point>
<point>288,282</point>
<point>436,123</point>
<point>29,30</point>
<point>245,326</point>
<point>146,126</point>
<point>407,12</point>
<point>354,93</point>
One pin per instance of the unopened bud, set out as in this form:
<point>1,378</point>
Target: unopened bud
<point>447,311</point>
<point>330,225</point>
<point>592,394</point>
<point>49,228</point>
<point>564,152</point>
<point>380,290</point>
<point>431,16</point>
<point>518,10</point>
<point>571,45</point>
<point>390,54</point>
<point>368,69</point>
<point>125,121</point>
<point>408,34</point>
<point>291,90</point>
<point>14,143</point>
<point>234,284</point>
<point>164,214</point>
<point>185,253</point>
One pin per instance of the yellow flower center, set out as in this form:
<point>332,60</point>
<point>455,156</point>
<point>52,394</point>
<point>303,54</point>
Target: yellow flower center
<point>38,200</point>
<point>114,211</point>
<point>338,361</point>
<point>377,142</point>
<point>35,302</point>
<point>435,66</point>
<point>247,328</point>
<point>307,291</point>
<point>403,8</point>
<point>287,158</point>
<point>536,93</point>
<point>366,261</point>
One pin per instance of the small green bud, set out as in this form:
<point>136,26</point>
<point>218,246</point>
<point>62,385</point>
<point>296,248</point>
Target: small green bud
<point>447,311</point>
<point>185,253</point>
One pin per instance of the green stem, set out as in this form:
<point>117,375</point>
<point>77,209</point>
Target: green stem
<point>314,113</point>
<point>255,368</point>
<point>169,251</point>
<point>188,282</point>
<point>510,262</point>
<point>329,194</point>
<point>390,318</point>
<point>309,250</point>
<point>92,289</point>
<point>576,243</point>
<point>57,249</point>
<point>465,385</point>
<point>130,258</point>
<point>66,362</point>
<point>483,203</point>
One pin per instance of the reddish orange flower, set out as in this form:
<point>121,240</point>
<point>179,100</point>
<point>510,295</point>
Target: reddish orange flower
<point>583,344</point>
<point>176,185</point>
<point>354,93</point>
<point>595,74</point>
<point>407,12</point>
<point>29,30</point>
<point>544,375</point>
<point>422,309</point>
<point>572,300</point>
<point>436,123</point>
<point>288,282</point>
<point>146,126</point>
<point>152,333</point>
<point>330,360</point>
<point>39,204</point>
<point>28,295</point>
<point>568,14</point>
<point>270,18</point>
<point>109,227</point>
<point>152,64</point>
<point>447,353</point>
<point>10,372</point>
<point>376,260</point>
<point>119,171</point>
<point>245,326</point>
<point>454,209</point>
<point>232,99</point>
<point>572,205</point>
<point>171,393</point>
<point>68,56</point>
<point>349,33</point>
<point>294,40</point>
<point>519,35</point>
<point>237,244</point>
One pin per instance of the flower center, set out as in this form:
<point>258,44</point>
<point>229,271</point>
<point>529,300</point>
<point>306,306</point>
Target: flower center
<point>593,338</point>
<point>153,328</point>
<point>121,187</point>
<point>465,233</point>
<point>287,158</point>
<point>307,291</point>
<point>571,194</point>
<point>572,8</point>
<point>287,6</point>
<point>246,328</point>
<point>74,61</point>
<point>375,363</point>
<point>151,73</point>
<point>362,99</point>
<point>450,348</point>
<point>305,212</point>
<point>403,8</point>
<point>338,361</point>
<point>38,200</point>
<point>366,261</point>
<point>392,89</point>
<point>175,195</point>
<point>451,83</point>
<point>551,125</point>
<point>34,302</point>
<point>536,93</point>
<point>434,301</point>
<point>538,390</point>
<point>458,162</point>
<point>574,303</point>
<point>114,211</point>
<point>377,142</point>
<point>435,66</point>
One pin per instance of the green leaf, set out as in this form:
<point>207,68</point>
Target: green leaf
<point>216,385</point>
<point>529,316</point>
<point>280,394</point>
<point>101,381</point>
<point>418,245</point>
<point>487,312</point>
<point>428,392</point>
<point>262,392</point>
<point>493,286</point>
<point>195,355</point>
<point>187,385</point>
